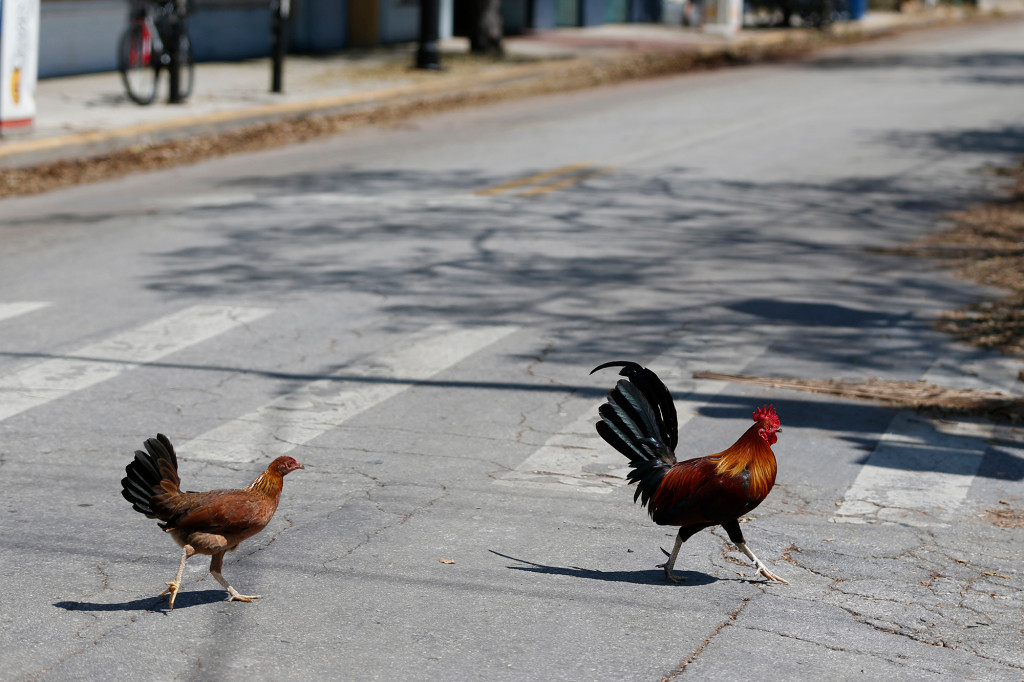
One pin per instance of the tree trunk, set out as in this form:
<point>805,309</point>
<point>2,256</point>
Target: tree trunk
<point>485,32</point>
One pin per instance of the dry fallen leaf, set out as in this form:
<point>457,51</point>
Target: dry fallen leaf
<point>446,561</point>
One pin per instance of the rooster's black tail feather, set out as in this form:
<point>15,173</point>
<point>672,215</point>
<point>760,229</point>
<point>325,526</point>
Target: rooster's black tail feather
<point>639,420</point>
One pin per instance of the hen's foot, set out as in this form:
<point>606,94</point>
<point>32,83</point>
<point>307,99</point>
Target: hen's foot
<point>172,589</point>
<point>235,596</point>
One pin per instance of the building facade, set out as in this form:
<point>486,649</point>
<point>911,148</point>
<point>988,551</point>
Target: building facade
<point>81,36</point>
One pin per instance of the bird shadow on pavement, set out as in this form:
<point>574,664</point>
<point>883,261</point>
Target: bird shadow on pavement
<point>642,577</point>
<point>184,600</point>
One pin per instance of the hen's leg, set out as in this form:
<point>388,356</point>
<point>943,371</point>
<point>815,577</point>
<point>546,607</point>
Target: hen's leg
<point>172,588</point>
<point>216,563</point>
<point>672,559</point>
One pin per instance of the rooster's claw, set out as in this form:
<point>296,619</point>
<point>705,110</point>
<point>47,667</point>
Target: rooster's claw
<point>670,575</point>
<point>771,576</point>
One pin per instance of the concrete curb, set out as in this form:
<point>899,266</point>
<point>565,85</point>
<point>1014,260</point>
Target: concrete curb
<point>29,152</point>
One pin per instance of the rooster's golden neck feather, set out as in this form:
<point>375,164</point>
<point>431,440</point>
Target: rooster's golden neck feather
<point>751,453</point>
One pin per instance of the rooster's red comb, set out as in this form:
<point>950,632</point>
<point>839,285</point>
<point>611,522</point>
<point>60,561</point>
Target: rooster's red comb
<point>767,413</point>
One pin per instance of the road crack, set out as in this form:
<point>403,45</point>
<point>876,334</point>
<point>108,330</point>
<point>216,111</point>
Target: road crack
<point>707,640</point>
<point>401,518</point>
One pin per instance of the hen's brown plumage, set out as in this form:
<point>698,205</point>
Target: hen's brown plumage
<point>639,420</point>
<point>212,522</point>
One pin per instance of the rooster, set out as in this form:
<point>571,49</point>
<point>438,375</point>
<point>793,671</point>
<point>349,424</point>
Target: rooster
<point>211,523</point>
<point>639,420</point>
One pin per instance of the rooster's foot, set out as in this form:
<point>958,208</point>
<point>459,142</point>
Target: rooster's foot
<point>670,575</point>
<point>172,589</point>
<point>771,576</point>
<point>758,564</point>
<point>669,564</point>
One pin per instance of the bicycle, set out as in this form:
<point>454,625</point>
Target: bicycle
<point>141,54</point>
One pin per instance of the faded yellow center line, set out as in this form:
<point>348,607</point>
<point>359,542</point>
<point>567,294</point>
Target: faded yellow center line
<point>563,183</point>
<point>533,179</point>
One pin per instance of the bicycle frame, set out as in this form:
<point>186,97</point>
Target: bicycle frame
<point>144,50</point>
<point>151,44</point>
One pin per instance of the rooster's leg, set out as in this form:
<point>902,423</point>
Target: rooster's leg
<point>215,565</point>
<point>172,588</point>
<point>672,559</point>
<point>761,568</point>
<point>736,536</point>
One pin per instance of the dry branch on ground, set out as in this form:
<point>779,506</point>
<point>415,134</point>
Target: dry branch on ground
<point>915,394</point>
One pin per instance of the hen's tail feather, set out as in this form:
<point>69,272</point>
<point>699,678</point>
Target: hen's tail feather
<point>152,473</point>
<point>642,431</point>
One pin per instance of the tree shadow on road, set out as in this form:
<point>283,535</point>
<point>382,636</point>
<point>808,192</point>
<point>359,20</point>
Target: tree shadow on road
<point>642,577</point>
<point>984,67</point>
<point>428,247</point>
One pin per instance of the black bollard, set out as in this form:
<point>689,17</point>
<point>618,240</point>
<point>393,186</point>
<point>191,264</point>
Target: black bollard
<point>280,10</point>
<point>173,48</point>
<point>428,55</point>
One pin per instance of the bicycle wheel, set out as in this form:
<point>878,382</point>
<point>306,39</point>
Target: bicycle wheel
<point>138,66</point>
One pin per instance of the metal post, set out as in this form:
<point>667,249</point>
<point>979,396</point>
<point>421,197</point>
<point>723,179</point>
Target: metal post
<point>280,11</point>
<point>173,50</point>
<point>428,56</point>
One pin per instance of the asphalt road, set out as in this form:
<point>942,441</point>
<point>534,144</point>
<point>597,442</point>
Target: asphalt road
<point>412,314</point>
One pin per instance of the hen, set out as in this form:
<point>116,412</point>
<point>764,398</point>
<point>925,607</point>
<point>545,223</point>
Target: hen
<point>211,523</point>
<point>639,420</point>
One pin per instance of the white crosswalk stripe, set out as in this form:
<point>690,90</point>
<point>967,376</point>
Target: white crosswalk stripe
<point>49,380</point>
<point>298,417</point>
<point>15,308</point>
<point>922,469</point>
<point>578,458</point>
<point>918,474</point>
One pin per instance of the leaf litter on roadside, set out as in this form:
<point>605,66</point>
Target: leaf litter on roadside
<point>985,245</point>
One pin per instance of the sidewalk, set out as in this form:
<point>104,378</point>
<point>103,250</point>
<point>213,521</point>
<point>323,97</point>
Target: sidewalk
<point>88,115</point>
